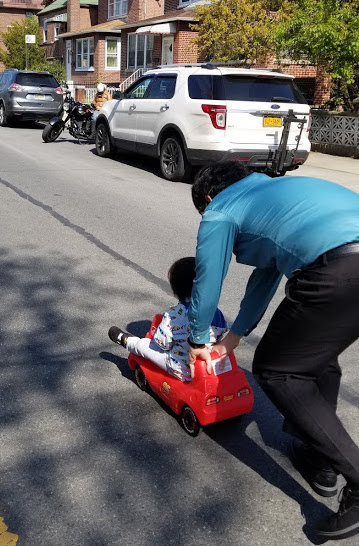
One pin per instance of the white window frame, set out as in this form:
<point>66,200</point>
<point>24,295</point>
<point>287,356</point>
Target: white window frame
<point>45,30</point>
<point>118,53</point>
<point>56,28</point>
<point>145,50</point>
<point>89,67</point>
<point>117,8</point>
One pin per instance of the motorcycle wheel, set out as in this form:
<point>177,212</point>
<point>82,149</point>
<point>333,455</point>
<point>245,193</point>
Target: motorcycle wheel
<point>51,132</point>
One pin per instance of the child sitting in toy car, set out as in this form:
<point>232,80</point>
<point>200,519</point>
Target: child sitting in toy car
<point>168,348</point>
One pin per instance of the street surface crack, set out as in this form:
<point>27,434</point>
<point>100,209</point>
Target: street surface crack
<point>160,283</point>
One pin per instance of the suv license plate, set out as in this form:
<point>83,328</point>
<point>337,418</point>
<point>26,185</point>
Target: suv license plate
<point>272,122</point>
<point>40,97</point>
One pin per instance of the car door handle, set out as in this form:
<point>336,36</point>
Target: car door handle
<point>164,108</point>
<point>133,107</point>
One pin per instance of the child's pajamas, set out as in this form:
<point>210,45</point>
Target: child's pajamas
<point>169,348</point>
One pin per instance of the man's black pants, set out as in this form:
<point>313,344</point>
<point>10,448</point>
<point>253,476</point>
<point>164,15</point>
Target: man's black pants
<point>296,362</point>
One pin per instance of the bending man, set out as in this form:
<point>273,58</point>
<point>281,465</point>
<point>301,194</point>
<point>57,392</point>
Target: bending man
<point>308,230</point>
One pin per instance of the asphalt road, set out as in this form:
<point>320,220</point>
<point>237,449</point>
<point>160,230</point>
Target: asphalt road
<point>86,458</point>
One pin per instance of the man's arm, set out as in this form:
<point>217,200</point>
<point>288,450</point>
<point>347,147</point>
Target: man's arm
<point>214,251</point>
<point>215,242</point>
<point>223,348</point>
<point>261,287</point>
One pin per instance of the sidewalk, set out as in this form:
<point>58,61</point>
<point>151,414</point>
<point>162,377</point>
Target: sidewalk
<point>341,170</point>
<point>335,162</point>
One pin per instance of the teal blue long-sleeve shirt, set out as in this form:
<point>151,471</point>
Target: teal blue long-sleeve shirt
<point>277,225</point>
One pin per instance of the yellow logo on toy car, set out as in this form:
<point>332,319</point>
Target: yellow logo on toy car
<point>227,398</point>
<point>165,388</point>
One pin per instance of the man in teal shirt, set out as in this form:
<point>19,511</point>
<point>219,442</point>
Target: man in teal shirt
<point>308,230</point>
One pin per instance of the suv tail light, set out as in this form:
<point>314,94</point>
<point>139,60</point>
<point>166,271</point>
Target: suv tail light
<point>217,113</point>
<point>59,90</point>
<point>15,87</point>
<point>309,122</point>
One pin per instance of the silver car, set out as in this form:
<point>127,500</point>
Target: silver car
<point>29,96</point>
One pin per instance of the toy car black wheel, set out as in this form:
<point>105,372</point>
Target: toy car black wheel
<point>190,422</point>
<point>141,379</point>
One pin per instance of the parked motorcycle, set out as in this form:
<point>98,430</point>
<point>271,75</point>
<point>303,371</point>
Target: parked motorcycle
<point>75,116</point>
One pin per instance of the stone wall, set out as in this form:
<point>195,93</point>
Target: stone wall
<point>336,134</point>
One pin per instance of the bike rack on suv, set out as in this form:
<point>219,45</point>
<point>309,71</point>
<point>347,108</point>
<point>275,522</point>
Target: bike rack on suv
<point>280,155</point>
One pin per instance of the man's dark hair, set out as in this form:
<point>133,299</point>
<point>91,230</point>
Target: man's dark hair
<point>215,178</point>
<point>181,276</point>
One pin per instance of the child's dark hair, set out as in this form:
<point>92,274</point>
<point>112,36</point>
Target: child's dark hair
<point>181,275</point>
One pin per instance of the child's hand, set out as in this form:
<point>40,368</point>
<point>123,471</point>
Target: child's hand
<point>202,354</point>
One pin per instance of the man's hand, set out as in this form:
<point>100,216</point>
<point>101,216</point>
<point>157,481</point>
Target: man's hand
<point>202,354</point>
<point>226,346</point>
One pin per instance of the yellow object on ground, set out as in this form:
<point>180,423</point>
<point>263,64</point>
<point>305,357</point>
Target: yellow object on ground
<point>6,539</point>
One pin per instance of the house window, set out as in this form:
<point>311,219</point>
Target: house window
<point>140,50</point>
<point>117,8</point>
<point>45,30</point>
<point>56,29</point>
<point>84,54</point>
<point>113,53</point>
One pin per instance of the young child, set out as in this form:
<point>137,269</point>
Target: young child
<point>169,348</point>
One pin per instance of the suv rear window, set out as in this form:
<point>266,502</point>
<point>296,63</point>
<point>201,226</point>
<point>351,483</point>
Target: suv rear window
<point>36,80</point>
<point>244,88</point>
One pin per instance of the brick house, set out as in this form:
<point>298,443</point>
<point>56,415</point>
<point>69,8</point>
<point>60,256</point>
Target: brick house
<point>125,36</point>
<point>109,40</point>
<point>15,10</point>
<point>62,16</point>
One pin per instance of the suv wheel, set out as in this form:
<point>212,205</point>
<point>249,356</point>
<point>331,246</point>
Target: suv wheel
<point>174,165</point>
<point>104,147</point>
<point>2,116</point>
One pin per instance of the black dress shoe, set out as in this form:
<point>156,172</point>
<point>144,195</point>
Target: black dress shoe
<point>314,468</point>
<point>345,523</point>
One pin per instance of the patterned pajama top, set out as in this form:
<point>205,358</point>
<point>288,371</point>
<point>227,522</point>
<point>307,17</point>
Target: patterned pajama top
<point>171,336</point>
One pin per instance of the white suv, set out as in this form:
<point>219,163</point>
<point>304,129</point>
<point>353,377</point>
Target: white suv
<point>189,115</point>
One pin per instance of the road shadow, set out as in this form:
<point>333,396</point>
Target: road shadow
<point>271,463</point>
<point>86,457</point>
<point>268,461</point>
<point>78,444</point>
<point>145,163</point>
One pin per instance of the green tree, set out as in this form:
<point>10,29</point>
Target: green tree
<point>15,54</point>
<point>55,67</point>
<point>234,30</point>
<point>325,32</point>
<point>14,40</point>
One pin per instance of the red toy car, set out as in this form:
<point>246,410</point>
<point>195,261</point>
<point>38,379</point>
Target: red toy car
<point>207,399</point>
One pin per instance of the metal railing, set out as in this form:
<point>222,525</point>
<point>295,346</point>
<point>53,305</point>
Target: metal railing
<point>90,92</point>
